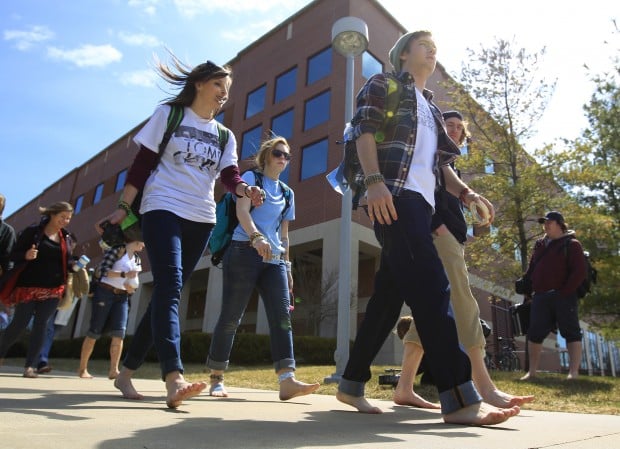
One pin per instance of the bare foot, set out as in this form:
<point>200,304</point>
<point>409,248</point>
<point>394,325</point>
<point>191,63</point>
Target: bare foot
<point>30,373</point>
<point>180,390</point>
<point>359,402</point>
<point>113,374</point>
<point>124,384</point>
<point>409,397</point>
<point>216,389</point>
<point>481,414</point>
<point>84,374</point>
<point>291,388</point>
<point>572,376</point>
<point>500,399</point>
<point>528,376</point>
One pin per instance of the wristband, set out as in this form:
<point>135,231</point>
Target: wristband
<point>245,191</point>
<point>373,178</point>
<point>463,195</point>
<point>124,205</point>
<point>122,274</point>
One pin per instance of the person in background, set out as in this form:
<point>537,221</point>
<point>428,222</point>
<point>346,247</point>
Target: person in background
<point>43,365</point>
<point>449,236</point>
<point>44,250</point>
<point>117,280</point>
<point>559,268</point>
<point>258,258</point>
<point>7,240</point>
<point>178,212</point>
<point>400,176</point>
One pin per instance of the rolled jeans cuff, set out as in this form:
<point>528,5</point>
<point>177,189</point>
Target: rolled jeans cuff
<point>351,387</point>
<point>459,397</point>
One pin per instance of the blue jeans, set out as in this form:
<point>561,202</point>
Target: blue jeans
<point>174,246</point>
<point>42,311</point>
<point>244,270</point>
<point>410,270</point>
<point>49,340</point>
<point>109,311</point>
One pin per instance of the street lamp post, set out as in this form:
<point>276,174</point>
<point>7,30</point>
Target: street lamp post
<point>350,39</point>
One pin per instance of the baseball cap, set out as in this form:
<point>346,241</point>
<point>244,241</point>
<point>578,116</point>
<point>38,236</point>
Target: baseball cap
<point>452,114</point>
<point>553,215</point>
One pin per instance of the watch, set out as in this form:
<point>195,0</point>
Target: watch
<point>122,274</point>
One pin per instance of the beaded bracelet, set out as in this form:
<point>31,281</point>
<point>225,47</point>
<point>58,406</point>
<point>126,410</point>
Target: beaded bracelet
<point>255,236</point>
<point>373,178</point>
<point>124,205</point>
<point>463,195</point>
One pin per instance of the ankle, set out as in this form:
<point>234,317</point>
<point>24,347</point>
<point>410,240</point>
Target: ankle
<point>216,378</point>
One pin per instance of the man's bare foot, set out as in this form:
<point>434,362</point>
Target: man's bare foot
<point>528,376</point>
<point>30,373</point>
<point>481,414</point>
<point>113,374</point>
<point>180,390</point>
<point>216,389</point>
<point>500,399</point>
<point>572,376</point>
<point>124,384</point>
<point>291,388</point>
<point>84,374</point>
<point>359,402</point>
<point>405,396</point>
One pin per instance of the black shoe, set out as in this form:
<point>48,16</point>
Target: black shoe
<point>44,369</point>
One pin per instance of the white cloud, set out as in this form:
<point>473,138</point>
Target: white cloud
<point>147,6</point>
<point>25,39</point>
<point>141,78</point>
<point>87,55</point>
<point>191,8</point>
<point>139,39</point>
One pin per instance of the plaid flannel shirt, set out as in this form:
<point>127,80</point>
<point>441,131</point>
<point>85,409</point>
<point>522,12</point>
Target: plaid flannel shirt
<point>395,149</point>
<point>109,258</point>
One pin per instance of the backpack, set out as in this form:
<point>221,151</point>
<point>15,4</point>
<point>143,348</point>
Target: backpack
<point>591,273</point>
<point>130,226</point>
<point>349,173</point>
<point>227,221</point>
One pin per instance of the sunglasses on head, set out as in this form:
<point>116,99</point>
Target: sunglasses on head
<point>279,153</point>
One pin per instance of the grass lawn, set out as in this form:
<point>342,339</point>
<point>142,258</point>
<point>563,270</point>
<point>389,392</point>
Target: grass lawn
<point>553,392</point>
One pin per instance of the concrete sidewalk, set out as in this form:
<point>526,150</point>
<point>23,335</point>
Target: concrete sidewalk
<point>63,411</point>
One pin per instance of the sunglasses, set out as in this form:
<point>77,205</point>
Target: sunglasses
<point>278,153</point>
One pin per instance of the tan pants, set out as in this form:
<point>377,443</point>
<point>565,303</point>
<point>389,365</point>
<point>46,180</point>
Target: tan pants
<point>464,305</point>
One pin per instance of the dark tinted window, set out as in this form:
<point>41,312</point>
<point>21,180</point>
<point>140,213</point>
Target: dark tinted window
<point>314,159</point>
<point>319,65</point>
<point>120,180</point>
<point>282,125</point>
<point>285,85</point>
<point>256,101</point>
<point>98,194</point>
<point>250,142</point>
<point>317,110</point>
<point>77,207</point>
<point>370,65</point>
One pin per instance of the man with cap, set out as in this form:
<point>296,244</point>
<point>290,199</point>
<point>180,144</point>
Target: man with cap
<point>400,176</point>
<point>557,268</point>
<point>449,236</point>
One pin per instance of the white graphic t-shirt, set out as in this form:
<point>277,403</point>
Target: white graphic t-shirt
<point>124,264</point>
<point>421,178</point>
<point>184,180</point>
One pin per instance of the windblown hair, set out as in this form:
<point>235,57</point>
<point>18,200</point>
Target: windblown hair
<point>265,149</point>
<point>56,208</point>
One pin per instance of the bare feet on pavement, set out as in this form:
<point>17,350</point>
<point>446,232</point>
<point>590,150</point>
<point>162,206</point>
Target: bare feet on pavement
<point>500,399</point>
<point>359,402</point>
<point>124,384</point>
<point>179,390</point>
<point>406,396</point>
<point>84,374</point>
<point>481,414</point>
<point>113,374</point>
<point>291,388</point>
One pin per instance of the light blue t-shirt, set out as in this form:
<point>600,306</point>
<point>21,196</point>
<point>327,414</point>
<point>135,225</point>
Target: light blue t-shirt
<point>267,216</point>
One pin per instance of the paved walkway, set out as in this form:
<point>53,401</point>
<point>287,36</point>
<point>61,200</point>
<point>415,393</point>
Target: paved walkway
<point>62,411</point>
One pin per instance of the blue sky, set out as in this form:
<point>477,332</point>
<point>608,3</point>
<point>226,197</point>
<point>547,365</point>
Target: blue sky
<point>78,74</point>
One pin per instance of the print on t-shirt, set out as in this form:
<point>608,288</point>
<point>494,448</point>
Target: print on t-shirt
<point>196,148</point>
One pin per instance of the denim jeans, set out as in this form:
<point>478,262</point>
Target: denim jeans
<point>174,246</point>
<point>411,271</point>
<point>42,311</point>
<point>244,270</point>
<point>109,312</point>
<point>50,331</point>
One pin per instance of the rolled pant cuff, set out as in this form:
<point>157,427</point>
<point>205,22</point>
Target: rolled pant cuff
<point>284,364</point>
<point>218,366</point>
<point>351,387</point>
<point>459,397</point>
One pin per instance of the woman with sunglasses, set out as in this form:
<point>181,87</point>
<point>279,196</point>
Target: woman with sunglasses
<point>178,211</point>
<point>258,258</point>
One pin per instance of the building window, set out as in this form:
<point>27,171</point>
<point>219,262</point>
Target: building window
<point>285,85</point>
<point>489,166</point>
<point>250,142</point>
<point>77,207</point>
<point>319,65</point>
<point>120,180</point>
<point>220,117</point>
<point>98,193</point>
<point>317,110</point>
<point>314,159</point>
<point>256,101</point>
<point>370,65</point>
<point>282,125</point>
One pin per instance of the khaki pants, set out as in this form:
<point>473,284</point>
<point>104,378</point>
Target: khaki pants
<point>464,305</point>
